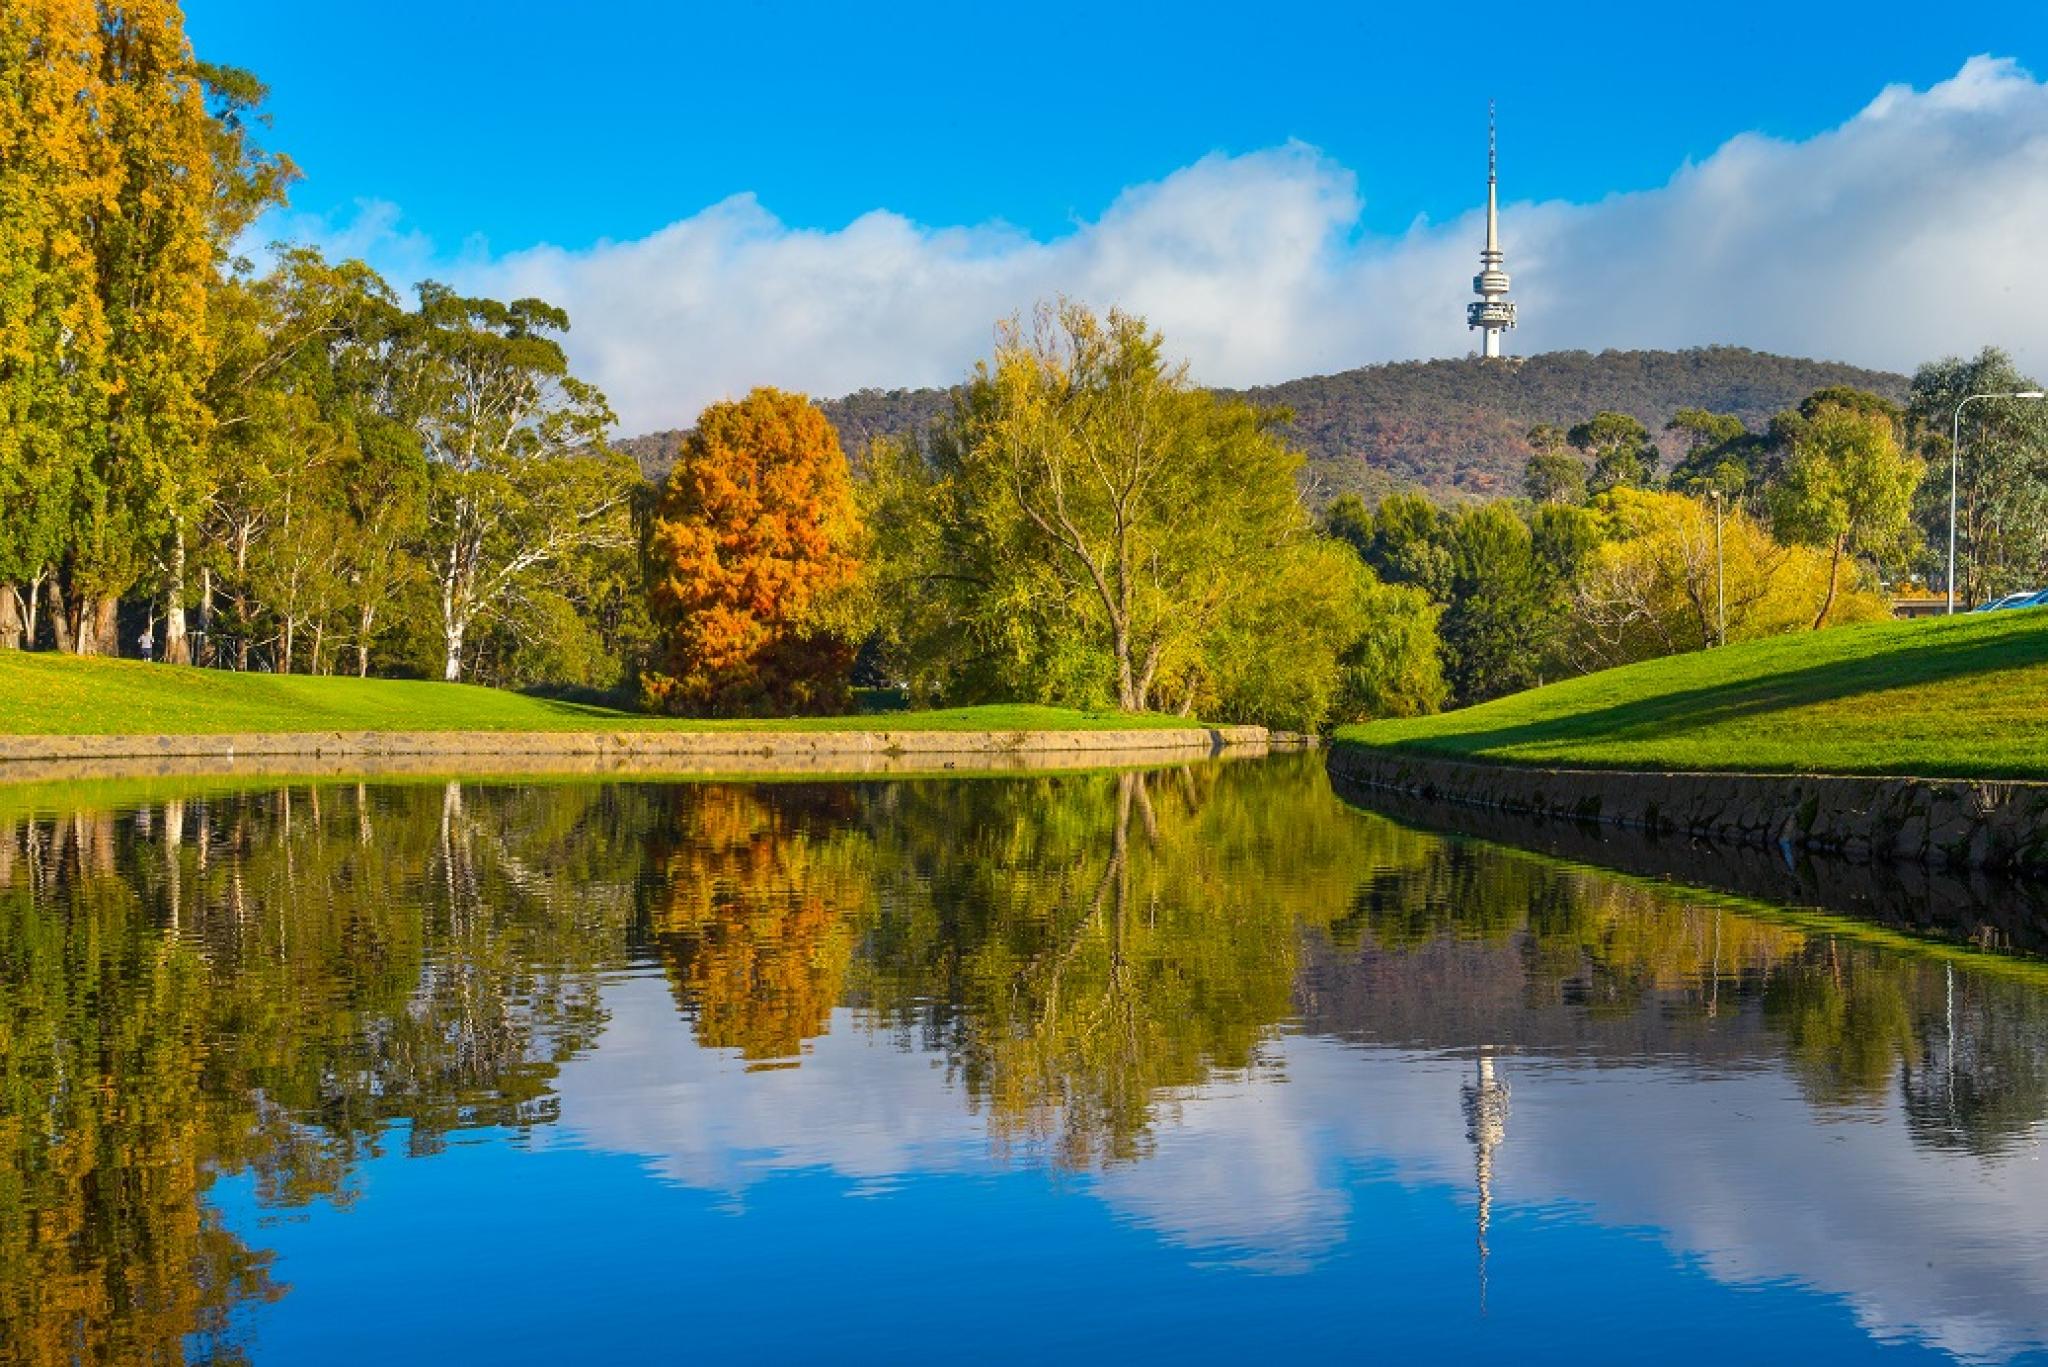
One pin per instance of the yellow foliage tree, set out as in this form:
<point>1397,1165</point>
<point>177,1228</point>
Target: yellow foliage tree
<point>1655,585</point>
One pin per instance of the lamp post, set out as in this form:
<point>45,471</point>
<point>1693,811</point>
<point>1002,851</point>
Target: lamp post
<point>1955,460</point>
<point>1720,577</point>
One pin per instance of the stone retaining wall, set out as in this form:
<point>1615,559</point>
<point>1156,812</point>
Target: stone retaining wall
<point>600,752</point>
<point>1986,909</point>
<point>1941,823</point>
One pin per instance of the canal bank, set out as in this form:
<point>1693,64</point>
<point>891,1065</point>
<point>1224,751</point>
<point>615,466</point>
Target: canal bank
<point>38,758</point>
<point>1947,823</point>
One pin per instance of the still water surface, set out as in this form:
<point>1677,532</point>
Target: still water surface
<point>1198,1064</point>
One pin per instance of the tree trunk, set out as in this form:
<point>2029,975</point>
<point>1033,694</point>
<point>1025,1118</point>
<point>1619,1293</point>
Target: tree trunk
<point>1827,604</point>
<point>177,648</point>
<point>33,600</point>
<point>242,598</point>
<point>206,653</point>
<point>1126,685</point>
<point>451,668</point>
<point>453,618</point>
<point>106,625</point>
<point>60,632</point>
<point>363,640</point>
<point>319,640</point>
<point>10,618</point>
<point>284,654</point>
<point>85,637</point>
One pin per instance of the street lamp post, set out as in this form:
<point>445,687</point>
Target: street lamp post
<point>1720,576</point>
<point>1955,460</point>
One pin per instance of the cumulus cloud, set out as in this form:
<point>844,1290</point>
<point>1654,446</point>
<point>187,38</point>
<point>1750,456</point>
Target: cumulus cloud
<point>1907,232</point>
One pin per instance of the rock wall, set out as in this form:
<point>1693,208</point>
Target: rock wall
<point>1997,825</point>
<point>1987,909</point>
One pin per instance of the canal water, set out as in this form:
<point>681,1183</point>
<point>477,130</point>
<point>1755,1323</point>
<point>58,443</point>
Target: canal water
<point>1203,1063</point>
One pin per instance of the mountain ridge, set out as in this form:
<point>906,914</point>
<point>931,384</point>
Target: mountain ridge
<point>1450,428</point>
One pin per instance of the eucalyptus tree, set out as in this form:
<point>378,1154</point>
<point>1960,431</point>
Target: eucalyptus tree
<point>519,478</point>
<point>2001,475</point>
<point>312,472</point>
<point>1553,474</point>
<point>1620,449</point>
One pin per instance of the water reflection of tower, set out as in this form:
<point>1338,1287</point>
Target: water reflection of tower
<point>1486,1125</point>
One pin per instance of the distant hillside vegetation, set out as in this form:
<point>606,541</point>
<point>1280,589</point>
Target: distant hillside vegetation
<point>1451,428</point>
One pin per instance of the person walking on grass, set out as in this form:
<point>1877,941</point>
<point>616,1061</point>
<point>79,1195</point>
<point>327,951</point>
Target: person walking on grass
<point>147,641</point>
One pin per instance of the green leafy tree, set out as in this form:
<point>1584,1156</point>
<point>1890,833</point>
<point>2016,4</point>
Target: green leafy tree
<point>1347,519</point>
<point>2002,474</point>
<point>55,169</point>
<point>1088,526</point>
<point>1848,488</point>
<point>1409,544</point>
<point>1721,454</point>
<point>1500,612</point>
<point>519,476</point>
<point>1553,474</point>
<point>1620,449</point>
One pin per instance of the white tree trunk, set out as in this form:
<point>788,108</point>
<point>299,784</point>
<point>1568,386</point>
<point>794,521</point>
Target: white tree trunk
<point>451,670</point>
<point>177,649</point>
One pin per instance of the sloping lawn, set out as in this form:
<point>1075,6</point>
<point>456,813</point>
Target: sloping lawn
<point>1962,696</point>
<point>42,694</point>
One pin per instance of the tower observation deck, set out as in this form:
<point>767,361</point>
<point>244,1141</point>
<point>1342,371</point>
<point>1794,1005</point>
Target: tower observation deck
<point>1493,313</point>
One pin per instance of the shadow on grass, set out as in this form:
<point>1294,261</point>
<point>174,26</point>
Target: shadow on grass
<point>1671,715</point>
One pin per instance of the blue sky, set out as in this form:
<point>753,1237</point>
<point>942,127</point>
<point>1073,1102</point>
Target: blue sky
<point>570,123</point>
<point>501,146</point>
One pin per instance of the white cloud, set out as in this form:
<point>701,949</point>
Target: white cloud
<point>1908,232</point>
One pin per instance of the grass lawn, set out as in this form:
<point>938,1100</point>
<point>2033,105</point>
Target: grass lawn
<point>1961,696</point>
<point>43,694</point>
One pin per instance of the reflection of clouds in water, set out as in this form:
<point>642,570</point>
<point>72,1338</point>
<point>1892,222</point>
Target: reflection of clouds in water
<point>1736,1170</point>
<point>858,1105</point>
<point>1234,1174</point>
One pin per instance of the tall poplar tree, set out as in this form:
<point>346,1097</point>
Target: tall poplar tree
<point>57,178</point>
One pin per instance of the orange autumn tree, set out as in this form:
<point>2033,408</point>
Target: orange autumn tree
<point>756,564</point>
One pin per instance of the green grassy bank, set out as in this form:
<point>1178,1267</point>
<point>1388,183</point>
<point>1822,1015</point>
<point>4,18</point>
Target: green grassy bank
<point>44,694</point>
<point>1963,697</point>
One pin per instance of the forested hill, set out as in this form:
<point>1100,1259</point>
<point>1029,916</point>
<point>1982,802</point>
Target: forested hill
<point>1448,427</point>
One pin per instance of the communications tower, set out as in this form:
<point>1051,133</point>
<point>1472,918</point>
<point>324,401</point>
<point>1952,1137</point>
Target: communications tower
<point>1494,313</point>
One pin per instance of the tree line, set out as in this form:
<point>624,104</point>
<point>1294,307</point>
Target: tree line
<point>280,468</point>
<point>1815,519</point>
<point>283,466</point>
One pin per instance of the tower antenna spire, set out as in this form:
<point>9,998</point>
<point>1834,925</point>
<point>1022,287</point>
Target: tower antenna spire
<point>1493,314</point>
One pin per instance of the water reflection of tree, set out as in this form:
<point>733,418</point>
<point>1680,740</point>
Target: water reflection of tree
<point>272,984</point>
<point>1851,1020</point>
<point>762,893</point>
<point>1096,938</point>
<point>264,984</point>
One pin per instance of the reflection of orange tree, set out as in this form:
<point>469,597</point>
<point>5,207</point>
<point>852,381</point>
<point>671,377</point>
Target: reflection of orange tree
<point>758,916</point>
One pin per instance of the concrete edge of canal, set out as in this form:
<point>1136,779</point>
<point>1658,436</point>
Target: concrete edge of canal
<point>1996,825</point>
<point>45,758</point>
